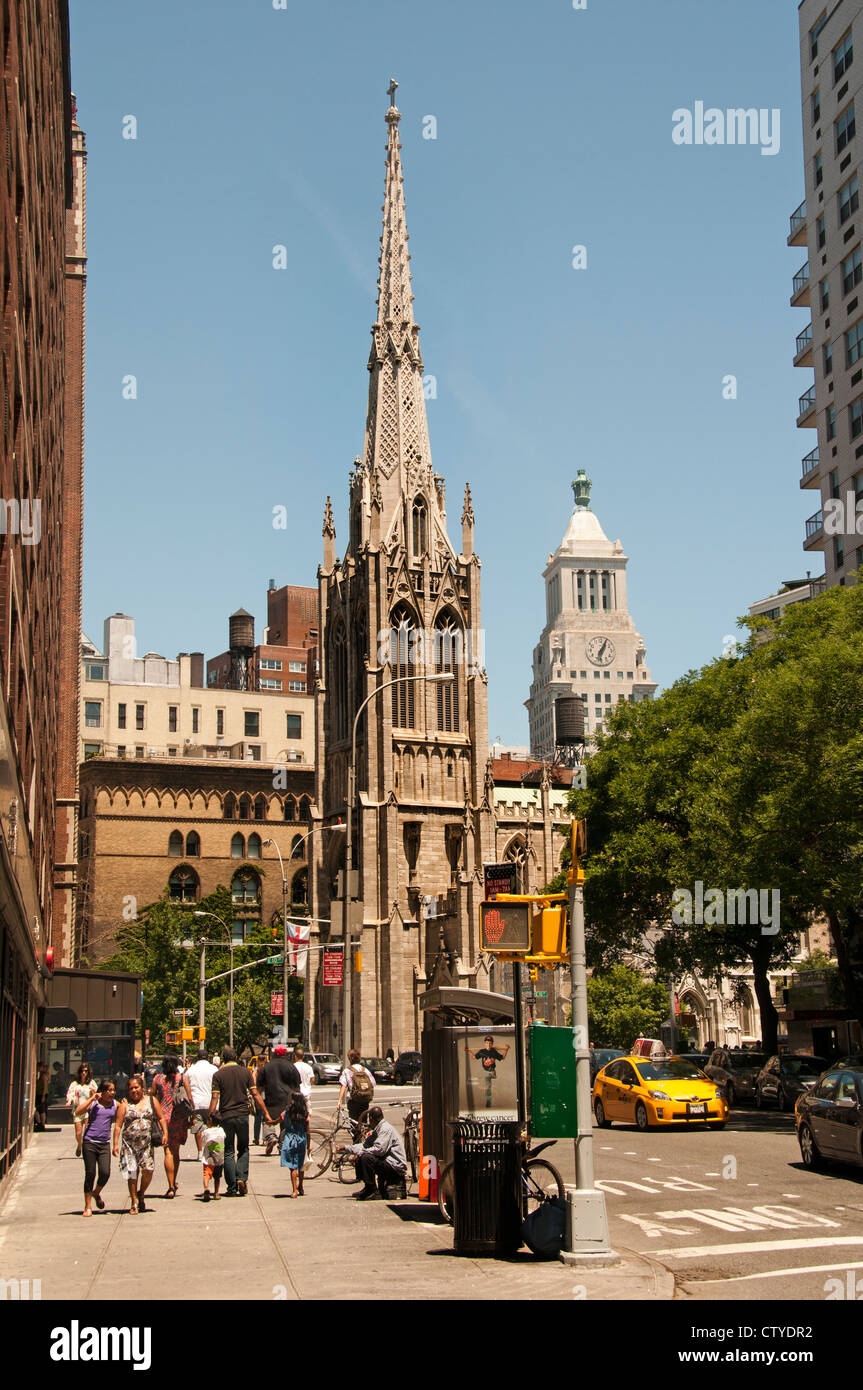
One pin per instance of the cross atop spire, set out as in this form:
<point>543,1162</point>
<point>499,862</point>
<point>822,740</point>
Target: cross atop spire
<point>391,92</point>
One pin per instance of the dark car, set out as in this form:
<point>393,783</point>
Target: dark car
<point>408,1068</point>
<point>786,1077</point>
<point>380,1068</point>
<point>698,1059</point>
<point>737,1071</point>
<point>601,1056</point>
<point>830,1118</point>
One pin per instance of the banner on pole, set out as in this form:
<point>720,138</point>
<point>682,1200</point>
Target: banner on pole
<point>277,1005</point>
<point>299,931</point>
<point>333,968</point>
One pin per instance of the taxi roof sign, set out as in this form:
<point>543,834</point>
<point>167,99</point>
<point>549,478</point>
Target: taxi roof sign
<point>505,927</point>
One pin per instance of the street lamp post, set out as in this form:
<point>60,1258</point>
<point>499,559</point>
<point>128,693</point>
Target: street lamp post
<point>439,677</point>
<point>285,917</point>
<point>230,936</point>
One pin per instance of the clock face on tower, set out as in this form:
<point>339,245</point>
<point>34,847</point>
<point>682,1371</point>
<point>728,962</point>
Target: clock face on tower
<point>600,650</point>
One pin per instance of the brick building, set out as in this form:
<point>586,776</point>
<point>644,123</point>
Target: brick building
<point>186,827</point>
<point>41,372</point>
<point>285,660</point>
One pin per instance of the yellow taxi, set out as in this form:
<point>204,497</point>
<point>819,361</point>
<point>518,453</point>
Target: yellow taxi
<point>658,1091</point>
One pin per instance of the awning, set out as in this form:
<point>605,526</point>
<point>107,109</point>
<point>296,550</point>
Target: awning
<point>58,1022</point>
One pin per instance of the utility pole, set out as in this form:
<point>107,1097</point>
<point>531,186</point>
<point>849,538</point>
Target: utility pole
<point>586,1242</point>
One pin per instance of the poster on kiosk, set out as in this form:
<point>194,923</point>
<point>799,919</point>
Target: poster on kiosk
<point>487,1074</point>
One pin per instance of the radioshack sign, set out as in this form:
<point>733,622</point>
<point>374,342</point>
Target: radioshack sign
<point>505,927</point>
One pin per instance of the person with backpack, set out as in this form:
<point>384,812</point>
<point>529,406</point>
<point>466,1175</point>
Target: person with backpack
<point>358,1085</point>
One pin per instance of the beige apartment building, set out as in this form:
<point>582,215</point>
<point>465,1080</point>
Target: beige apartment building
<point>150,707</point>
<point>828,225</point>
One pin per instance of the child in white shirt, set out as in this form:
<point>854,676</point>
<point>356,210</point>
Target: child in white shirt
<point>212,1157</point>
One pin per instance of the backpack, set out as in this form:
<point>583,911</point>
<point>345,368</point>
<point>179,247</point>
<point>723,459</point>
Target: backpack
<point>544,1229</point>
<point>182,1104</point>
<point>362,1087</point>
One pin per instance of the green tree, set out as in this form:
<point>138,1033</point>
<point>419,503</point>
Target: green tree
<point>622,1005</point>
<point>151,946</point>
<point>746,774</point>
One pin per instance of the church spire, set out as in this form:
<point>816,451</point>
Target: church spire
<point>396,451</point>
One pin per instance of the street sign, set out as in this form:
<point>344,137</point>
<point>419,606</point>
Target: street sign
<point>500,878</point>
<point>277,1005</point>
<point>184,1013</point>
<point>504,927</point>
<point>333,967</point>
<point>275,960</point>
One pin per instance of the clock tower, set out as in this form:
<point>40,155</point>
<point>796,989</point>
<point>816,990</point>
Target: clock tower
<point>589,646</point>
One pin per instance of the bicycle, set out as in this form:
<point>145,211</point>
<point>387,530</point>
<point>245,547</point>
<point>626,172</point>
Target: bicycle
<point>411,1134</point>
<point>540,1180</point>
<point>343,1162</point>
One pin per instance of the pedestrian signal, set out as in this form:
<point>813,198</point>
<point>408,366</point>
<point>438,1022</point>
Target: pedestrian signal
<point>504,927</point>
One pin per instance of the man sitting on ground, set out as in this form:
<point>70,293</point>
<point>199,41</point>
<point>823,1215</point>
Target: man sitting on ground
<point>380,1157</point>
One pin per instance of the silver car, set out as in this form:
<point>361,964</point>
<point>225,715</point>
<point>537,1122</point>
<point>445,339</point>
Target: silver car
<point>326,1066</point>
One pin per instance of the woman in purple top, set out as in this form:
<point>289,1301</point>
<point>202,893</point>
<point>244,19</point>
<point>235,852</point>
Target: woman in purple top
<point>101,1112</point>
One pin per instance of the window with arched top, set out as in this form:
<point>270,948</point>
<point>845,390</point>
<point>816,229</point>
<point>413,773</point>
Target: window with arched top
<point>403,648</point>
<point>254,848</point>
<point>183,885</point>
<point>193,845</point>
<point>305,808</point>
<point>245,807</point>
<point>290,808</point>
<point>516,853</point>
<point>245,887</point>
<point>300,887</point>
<point>448,658</point>
<point>229,807</point>
<point>339,679</point>
<point>260,807</point>
<point>419,539</point>
<point>175,844</point>
<point>297,847</point>
<point>238,847</point>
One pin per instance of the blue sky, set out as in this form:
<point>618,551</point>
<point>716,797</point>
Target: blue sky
<point>258,127</point>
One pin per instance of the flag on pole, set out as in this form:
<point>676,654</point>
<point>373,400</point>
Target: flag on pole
<point>298,951</point>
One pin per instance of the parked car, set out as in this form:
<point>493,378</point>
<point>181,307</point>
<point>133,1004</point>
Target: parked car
<point>643,1092</point>
<point>736,1071</point>
<point>786,1077</point>
<point>829,1118</point>
<point>698,1059</point>
<point>408,1068</point>
<point>380,1068</point>
<point>325,1065</point>
<point>601,1056</point>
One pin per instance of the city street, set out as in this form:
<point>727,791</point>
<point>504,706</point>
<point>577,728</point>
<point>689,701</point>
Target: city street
<point>731,1214</point>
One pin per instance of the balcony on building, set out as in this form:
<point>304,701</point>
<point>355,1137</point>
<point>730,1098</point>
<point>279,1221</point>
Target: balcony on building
<point>803,348</point>
<point>814,534</point>
<point>806,409</point>
<point>800,288</point>
<point>809,468</point>
<point>797,232</point>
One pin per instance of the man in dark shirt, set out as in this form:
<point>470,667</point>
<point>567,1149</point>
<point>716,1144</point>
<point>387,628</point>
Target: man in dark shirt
<point>232,1086</point>
<point>276,1080</point>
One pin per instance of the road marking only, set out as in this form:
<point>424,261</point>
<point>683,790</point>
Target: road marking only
<point>728,1219</point>
<point>749,1247</point>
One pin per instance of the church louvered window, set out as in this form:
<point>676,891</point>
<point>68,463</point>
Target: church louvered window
<point>448,642</point>
<point>419,528</point>
<point>402,650</point>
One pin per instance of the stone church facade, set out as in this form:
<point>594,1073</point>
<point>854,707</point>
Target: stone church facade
<point>402,602</point>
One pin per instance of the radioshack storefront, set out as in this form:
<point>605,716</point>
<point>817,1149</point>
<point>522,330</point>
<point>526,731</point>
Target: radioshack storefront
<point>91,1016</point>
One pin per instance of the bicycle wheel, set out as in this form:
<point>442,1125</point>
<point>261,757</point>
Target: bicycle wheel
<point>347,1170</point>
<point>539,1182</point>
<point>319,1155</point>
<point>412,1152</point>
<point>446,1193</point>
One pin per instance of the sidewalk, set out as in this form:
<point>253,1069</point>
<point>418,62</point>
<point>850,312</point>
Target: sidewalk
<point>264,1246</point>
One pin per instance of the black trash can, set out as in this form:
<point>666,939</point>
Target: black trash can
<point>487,1176</point>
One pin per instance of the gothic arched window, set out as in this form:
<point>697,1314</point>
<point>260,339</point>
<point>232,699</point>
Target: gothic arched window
<point>245,807</point>
<point>297,846</point>
<point>516,853</point>
<point>254,850</point>
<point>260,807</point>
<point>229,807</point>
<point>300,887</point>
<point>402,656</point>
<point>418,528</point>
<point>183,885</point>
<point>245,887</point>
<point>193,845</point>
<point>238,847</point>
<point>339,680</point>
<point>448,658</point>
<point>175,844</point>
<point>290,808</point>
